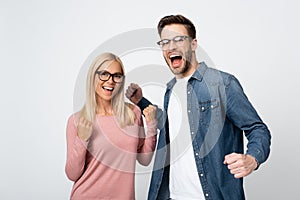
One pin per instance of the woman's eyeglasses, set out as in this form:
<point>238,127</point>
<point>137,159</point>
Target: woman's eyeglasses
<point>105,76</point>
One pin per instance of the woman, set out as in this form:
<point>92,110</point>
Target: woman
<point>107,136</point>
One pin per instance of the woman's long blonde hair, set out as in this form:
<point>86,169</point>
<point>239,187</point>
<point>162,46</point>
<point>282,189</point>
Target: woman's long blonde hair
<point>121,109</point>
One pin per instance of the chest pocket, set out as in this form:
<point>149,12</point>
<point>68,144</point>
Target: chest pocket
<point>208,110</point>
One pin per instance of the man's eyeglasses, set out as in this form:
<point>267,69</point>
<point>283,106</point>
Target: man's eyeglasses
<point>178,40</point>
<point>105,76</point>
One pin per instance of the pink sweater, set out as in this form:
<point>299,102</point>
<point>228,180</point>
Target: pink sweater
<point>104,167</point>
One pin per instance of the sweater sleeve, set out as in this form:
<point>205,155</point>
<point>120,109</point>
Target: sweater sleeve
<point>76,152</point>
<point>147,143</point>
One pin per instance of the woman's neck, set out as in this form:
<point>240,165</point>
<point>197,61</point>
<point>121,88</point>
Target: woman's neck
<point>104,108</point>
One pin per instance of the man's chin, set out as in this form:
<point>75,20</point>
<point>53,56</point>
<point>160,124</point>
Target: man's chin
<point>176,70</point>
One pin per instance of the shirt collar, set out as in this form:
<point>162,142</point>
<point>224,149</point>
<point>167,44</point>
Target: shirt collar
<point>198,75</point>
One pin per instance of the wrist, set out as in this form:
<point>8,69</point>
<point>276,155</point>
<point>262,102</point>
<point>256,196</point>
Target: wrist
<point>255,160</point>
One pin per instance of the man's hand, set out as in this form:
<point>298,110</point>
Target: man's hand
<point>134,93</point>
<point>84,129</point>
<point>240,165</point>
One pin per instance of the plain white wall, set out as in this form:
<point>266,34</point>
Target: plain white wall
<point>43,45</point>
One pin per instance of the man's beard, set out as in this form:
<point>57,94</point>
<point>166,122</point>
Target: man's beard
<point>187,65</point>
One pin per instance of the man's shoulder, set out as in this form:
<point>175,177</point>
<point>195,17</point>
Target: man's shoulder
<point>214,75</point>
<point>215,71</point>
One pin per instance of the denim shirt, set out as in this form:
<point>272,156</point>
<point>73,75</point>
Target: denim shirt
<point>219,113</point>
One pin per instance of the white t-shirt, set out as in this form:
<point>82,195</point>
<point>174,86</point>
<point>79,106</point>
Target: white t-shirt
<point>184,179</point>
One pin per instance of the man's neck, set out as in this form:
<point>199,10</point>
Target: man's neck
<point>192,69</point>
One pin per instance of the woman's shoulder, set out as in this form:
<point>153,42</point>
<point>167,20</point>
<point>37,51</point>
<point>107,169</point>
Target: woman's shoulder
<point>135,109</point>
<point>74,118</point>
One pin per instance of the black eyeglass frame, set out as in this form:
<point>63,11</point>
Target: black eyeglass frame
<point>102,72</point>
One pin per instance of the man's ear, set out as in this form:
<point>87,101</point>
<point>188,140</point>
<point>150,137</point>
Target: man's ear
<point>194,44</point>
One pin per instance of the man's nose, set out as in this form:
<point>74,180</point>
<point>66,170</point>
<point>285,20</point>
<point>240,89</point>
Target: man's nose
<point>172,45</point>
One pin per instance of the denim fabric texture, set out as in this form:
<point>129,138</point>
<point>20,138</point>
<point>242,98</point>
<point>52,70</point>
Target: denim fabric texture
<point>219,113</point>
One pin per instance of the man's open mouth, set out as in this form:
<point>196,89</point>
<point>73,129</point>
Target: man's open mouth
<point>175,59</point>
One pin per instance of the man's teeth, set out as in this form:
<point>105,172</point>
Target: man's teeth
<point>173,56</point>
<point>108,88</point>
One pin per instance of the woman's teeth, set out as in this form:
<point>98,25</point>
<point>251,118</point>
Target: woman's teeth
<point>108,88</point>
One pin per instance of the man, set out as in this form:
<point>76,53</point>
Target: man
<point>200,153</point>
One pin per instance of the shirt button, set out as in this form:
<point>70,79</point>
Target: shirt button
<point>189,92</point>
<point>202,108</point>
<point>201,174</point>
<point>189,111</point>
<point>192,133</point>
<point>197,154</point>
<point>206,194</point>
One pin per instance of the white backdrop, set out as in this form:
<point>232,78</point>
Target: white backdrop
<point>43,45</point>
